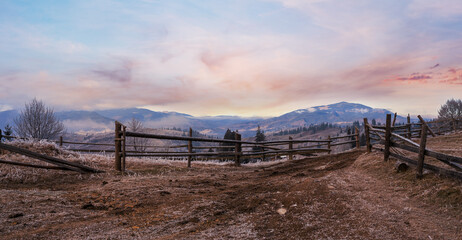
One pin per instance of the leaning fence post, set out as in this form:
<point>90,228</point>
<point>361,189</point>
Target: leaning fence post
<point>366,132</point>
<point>118,146</point>
<point>190,148</point>
<point>426,125</point>
<point>237,150</point>
<point>328,144</point>
<point>291,156</point>
<point>409,133</point>
<point>386,152</point>
<point>357,137</point>
<point>423,143</point>
<point>60,141</point>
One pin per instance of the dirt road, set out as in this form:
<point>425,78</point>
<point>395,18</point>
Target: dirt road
<point>344,196</point>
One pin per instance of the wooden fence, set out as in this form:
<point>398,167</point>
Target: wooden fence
<point>223,149</point>
<point>393,140</point>
<point>236,149</point>
<point>57,164</point>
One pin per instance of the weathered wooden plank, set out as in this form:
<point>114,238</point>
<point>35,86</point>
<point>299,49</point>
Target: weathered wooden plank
<point>291,147</point>
<point>33,165</point>
<point>425,124</point>
<point>447,159</point>
<point>342,143</point>
<point>386,153</point>
<point>118,146</point>
<point>408,127</point>
<point>145,135</point>
<point>124,152</point>
<point>423,144</point>
<point>368,137</point>
<point>294,151</point>
<point>56,161</point>
<point>238,150</point>
<point>433,168</point>
<point>346,136</point>
<point>190,148</point>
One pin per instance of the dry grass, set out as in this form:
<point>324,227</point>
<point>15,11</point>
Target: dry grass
<point>19,174</point>
<point>352,195</point>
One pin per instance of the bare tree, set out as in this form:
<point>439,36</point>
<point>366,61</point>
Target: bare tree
<point>140,144</point>
<point>38,121</point>
<point>451,110</point>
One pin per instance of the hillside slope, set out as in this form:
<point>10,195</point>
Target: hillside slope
<point>351,195</point>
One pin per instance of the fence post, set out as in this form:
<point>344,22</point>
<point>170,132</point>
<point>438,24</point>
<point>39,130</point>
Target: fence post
<point>237,150</point>
<point>386,153</point>
<point>366,132</point>
<point>189,148</point>
<point>409,133</point>
<point>291,146</point>
<point>357,137</point>
<point>328,144</point>
<point>124,153</point>
<point>423,143</point>
<point>118,164</point>
<point>454,124</point>
<point>394,119</point>
<point>61,141</point>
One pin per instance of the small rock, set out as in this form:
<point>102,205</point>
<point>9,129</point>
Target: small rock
<point>330,187</point>
<point>282,211</point>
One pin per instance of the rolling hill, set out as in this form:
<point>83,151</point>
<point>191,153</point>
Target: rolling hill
<point>341,113</point>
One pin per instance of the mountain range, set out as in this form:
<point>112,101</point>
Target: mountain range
<point>341,113</point>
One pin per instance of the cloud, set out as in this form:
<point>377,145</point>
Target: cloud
<point>122,73</point>
<point>86,125</point>
<point>415,77</point>
<point>453,76</point>
<point>435,66</point>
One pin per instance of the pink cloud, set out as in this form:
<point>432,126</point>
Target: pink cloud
<point>415,77</point>
<point>453,76</point>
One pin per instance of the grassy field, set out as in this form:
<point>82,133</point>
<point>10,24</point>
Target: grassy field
<point>351,195</point>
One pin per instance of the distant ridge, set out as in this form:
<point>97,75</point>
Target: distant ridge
<point>338,113</point>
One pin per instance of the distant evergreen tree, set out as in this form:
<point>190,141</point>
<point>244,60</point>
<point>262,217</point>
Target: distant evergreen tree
<point>230,135</point>
<point>374,122</point>
<point>8,131</point>
<point>259,137</point>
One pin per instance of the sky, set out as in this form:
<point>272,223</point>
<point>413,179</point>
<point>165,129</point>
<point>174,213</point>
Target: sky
<point>241,57</point>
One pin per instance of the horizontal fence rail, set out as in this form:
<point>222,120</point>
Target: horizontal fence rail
<point>227,148</point>
<point>392,140</point>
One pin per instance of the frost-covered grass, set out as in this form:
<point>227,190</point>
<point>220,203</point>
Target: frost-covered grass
<point>20,174</point>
